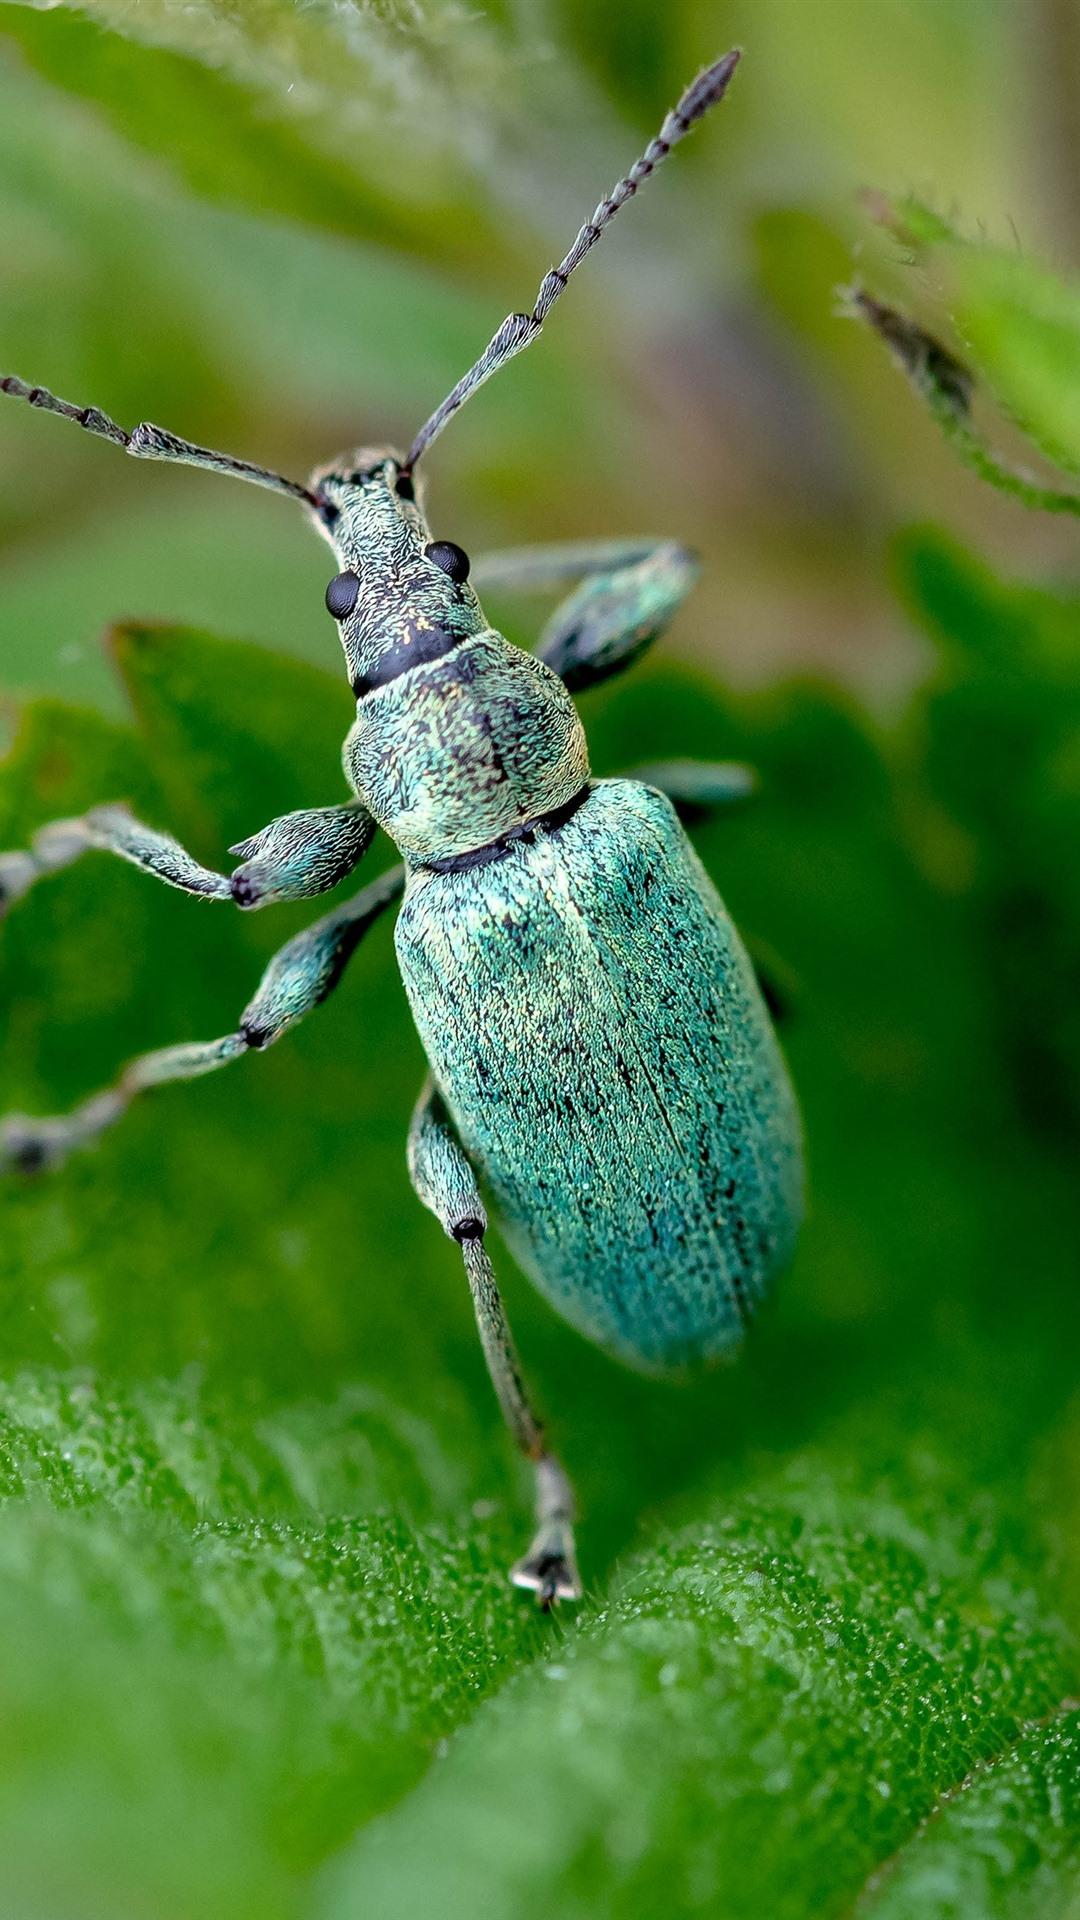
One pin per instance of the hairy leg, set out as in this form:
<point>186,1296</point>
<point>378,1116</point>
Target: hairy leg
<point>295,857</point>
<point>298,978</point>
<point>628,591</point>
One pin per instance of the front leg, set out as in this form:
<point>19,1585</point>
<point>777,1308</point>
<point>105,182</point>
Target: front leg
<point>628,591</point>
<point>446,1183</point>
<point>295,857</point>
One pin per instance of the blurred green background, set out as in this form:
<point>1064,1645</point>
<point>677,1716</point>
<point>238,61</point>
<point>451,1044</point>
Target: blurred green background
<point>259,1656</point>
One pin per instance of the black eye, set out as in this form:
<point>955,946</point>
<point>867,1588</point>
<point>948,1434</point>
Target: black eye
<point>404,488</point>
<point>453,560</point>
<point>341,594</point>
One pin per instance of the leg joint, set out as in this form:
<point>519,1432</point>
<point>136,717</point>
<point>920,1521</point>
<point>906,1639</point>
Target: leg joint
<point>471,1228</point>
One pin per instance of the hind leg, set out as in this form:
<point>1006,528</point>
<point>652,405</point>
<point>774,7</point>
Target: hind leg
<point>446,1183</point>
<point>698,788</point>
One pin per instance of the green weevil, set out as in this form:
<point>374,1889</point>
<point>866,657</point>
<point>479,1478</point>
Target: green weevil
<point>603,1066</point>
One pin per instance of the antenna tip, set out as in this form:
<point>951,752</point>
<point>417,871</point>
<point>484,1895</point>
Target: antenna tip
<point>709,87</point>
<point>721,70</point>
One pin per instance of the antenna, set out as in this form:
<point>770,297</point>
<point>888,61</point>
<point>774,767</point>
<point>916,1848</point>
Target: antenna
<point>519,330</point>
<point>154,443</point>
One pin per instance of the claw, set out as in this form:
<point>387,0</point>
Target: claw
<point>18,871</point>
<point>32,1145</point>
<point>550,1572</point>
<point>29,1146</point>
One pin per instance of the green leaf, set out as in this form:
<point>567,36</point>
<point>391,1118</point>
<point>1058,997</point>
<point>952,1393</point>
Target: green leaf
<point>1022,323</point>
<point>1007,1842</point>
<point>763,1712</point>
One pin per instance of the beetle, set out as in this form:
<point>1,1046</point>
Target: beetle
<point>603,1066</point>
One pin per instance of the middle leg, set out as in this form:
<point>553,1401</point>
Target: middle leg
<point>298,978</point>
<point>445,1182</point>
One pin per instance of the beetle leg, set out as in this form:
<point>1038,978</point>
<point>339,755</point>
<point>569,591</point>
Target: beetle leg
<point>446,1183</point>
<point>295,857</point>
<point>298,978</point>
<point>301,854</point>
<point>628,591</point>
<point>697,788</point>
<point>112,830</point>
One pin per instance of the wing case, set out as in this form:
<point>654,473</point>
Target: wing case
<point>596,1030</point>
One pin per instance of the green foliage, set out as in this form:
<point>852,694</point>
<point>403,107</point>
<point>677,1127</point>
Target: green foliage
<point>255,1500</point>
<point>174,90</point>
<point>1002,749</point>
<point>1018,1812</point>
<point>1020,326</point>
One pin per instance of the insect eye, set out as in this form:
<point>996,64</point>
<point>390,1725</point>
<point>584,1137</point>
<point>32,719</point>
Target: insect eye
<point>404,488</point>
<point>341,594</point>
<point>453,560</point>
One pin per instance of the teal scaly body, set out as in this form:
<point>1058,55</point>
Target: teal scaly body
<point>598,1035</point>
<point>603,1067</point>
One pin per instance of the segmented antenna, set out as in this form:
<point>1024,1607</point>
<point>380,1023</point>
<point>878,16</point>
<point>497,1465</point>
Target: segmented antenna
<point>519,330</point>
<point>154,443</point>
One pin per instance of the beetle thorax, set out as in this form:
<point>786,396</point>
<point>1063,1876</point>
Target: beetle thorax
<point>459,752</point>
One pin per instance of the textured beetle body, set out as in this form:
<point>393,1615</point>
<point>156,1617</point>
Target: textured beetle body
<point>598,1035</point>
<point>591,1019</point>
<point>602,1059</point>
<point>460,751</point>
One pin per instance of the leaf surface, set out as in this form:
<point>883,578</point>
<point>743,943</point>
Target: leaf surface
<point>246,1426</point>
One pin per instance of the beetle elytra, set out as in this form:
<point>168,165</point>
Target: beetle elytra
<point>603,1067</point>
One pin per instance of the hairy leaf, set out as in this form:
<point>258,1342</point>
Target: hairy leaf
<point>1019,325</point>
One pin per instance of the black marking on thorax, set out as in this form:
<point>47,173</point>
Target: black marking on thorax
<point>498,849</point>
<point>423,645</point>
